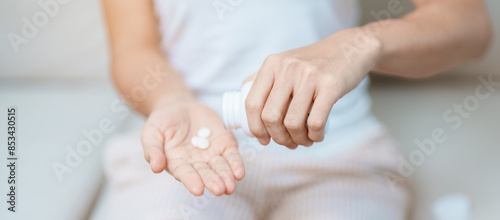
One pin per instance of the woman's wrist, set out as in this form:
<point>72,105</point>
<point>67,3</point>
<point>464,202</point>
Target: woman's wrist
<point>356,49</point>
<point>173,99</point>
<point>363,45</point>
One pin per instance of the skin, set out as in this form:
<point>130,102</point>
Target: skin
<point>174,114</point>
<point>434,37</point>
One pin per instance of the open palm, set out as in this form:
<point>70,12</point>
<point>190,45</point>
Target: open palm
<point>166,139</point>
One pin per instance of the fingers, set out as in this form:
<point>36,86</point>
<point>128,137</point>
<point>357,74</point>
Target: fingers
<point>271,113</point>
<point>319,115</point>
<point>187,175</point>
<point>254,103</point>
<point>211,180</point>
<point>152,143</point>
<point>220,166</point>
<point>274,113</point>
<point>295,119</point>
<point>235,161</point>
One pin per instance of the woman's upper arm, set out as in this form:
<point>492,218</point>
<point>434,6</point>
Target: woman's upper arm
<point>132,26</point>
<point>468,18</point>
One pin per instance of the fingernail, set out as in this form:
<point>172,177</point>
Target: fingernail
<point>150,159</point>
<point>263,141</point>
<point>268,139</point>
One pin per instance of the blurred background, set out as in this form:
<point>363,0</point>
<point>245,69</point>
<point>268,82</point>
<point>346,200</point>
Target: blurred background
<point>58,79</point>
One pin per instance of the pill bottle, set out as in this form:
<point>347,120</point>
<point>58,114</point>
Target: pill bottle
<point>233,109</point>
<point>234,113</point>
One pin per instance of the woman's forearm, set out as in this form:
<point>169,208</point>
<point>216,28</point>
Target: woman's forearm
<point>140,70</point>
<point>146,80</point>
<point>436,36</point>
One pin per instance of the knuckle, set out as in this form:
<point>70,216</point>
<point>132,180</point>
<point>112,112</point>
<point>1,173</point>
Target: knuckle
<point>310,69</point>
<point>271,58</point>
<point>332,83</point>
<point>251,104</point>
<point>290,60</point>
<point>306,74</point>
<point>315,124</point>
<point>270,117</point>
<point>292,124</point>
<point>329,80</point>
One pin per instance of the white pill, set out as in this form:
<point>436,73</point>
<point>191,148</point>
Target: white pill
<point>203,143</point>
<point>195,141</point>
<point>204,132</point>
<point>200,142</point>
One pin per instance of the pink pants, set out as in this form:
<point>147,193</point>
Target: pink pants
<point>346,186</point>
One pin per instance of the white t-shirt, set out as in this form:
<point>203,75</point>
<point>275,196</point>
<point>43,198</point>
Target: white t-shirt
<point>216,44</point>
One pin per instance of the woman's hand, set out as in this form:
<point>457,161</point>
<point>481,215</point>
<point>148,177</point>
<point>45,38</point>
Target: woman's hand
<point>166,139</point>
<point>310,79</point>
